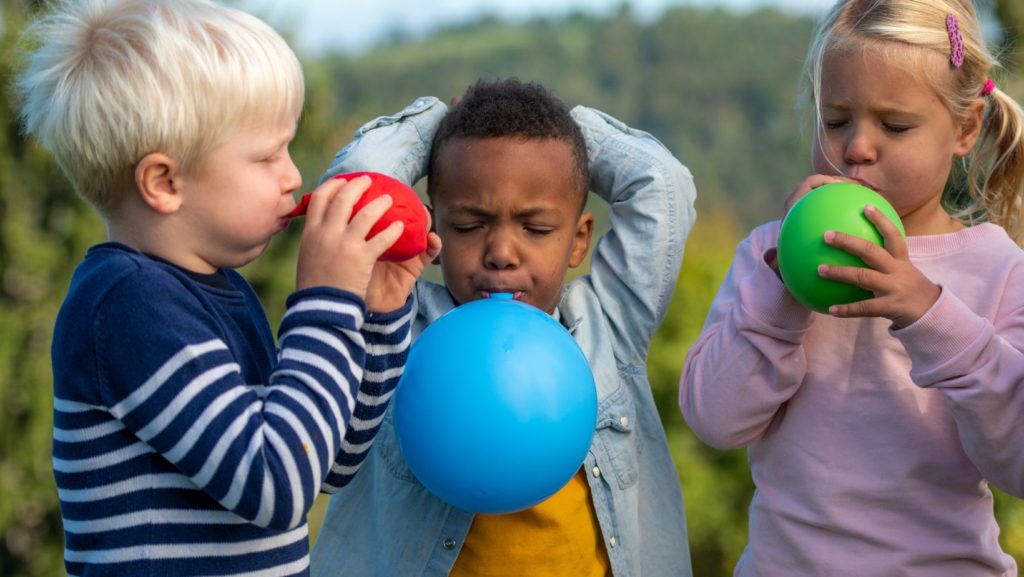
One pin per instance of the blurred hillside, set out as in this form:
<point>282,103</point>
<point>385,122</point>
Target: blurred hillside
<point>717,88</point>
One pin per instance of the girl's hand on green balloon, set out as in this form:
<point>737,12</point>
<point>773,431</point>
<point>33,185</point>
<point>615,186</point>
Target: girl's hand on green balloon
<point>807,185</point>
<point>902,292</point>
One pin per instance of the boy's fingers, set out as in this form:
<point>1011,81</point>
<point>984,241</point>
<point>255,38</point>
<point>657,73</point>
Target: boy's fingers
<point>340,208</point>
<point>430,253</point>
<point>383,240</point>
<point>320,199</point>
<point>362,222</point>
<point>433,245</point>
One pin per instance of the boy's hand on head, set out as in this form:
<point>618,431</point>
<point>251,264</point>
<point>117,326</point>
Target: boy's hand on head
<point>334,251</point>
<point>902,293</point>
<point>392,282</point>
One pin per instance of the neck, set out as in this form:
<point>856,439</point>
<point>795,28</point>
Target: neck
<point>151,233</point>
<point>929,220</point>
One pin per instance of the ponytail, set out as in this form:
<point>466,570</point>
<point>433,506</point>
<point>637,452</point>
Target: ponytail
<point>996,167</point>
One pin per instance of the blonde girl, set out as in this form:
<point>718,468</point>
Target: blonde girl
<point>873,431</point>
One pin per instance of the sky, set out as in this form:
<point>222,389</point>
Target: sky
<point>355,25</point>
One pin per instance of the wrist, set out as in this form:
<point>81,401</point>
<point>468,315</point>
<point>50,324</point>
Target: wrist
<point>771,258</point>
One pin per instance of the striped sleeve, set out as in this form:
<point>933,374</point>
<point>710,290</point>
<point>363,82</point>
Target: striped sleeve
<point>387,336</point>
<point>261,450</point>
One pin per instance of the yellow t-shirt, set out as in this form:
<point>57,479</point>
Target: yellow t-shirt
<point>556,538</point>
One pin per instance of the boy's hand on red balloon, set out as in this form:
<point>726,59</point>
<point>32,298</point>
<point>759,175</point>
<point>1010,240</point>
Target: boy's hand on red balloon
<point>392,281</point>
<point>334,250</point>
<point>396,269</point>
<point>406,207</point>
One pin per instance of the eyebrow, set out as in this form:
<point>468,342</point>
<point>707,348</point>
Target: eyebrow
<point>288,137</point>
<point>479,212</point>
<point>276,145</point>
<point>842,107</point>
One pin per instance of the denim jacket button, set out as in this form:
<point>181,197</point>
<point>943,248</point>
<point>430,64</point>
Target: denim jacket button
<point>597,471</point>
<point>449,544</point>
<point>624,421</point>
<point>612,542</point>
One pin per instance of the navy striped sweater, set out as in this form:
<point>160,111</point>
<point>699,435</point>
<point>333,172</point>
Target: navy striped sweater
<point>184,442</point>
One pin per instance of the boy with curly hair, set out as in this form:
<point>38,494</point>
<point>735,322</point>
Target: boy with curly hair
<point>510,167</point>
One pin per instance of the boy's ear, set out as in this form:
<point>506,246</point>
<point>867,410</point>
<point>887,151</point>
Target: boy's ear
<point>155,181</point>
<point>581,239</point>
<point>433,229</point>
<point>970,127</point>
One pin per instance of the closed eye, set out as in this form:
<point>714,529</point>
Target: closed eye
<point>896,128</point>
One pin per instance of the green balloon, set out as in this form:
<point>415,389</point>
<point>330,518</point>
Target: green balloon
<point>840,207</point>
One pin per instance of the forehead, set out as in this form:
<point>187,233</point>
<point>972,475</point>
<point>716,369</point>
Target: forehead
<point>256,136</point>
<point>896,77</point>
<point>505,172</point>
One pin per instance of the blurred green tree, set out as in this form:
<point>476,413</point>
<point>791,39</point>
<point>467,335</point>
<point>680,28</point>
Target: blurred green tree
<point>44,229</point>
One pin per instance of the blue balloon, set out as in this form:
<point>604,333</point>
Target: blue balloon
<point>496,408</point>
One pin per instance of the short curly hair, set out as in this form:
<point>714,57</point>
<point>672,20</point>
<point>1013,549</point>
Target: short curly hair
<point>510,108</point>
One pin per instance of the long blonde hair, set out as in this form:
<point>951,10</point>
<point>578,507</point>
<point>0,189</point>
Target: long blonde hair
<point>995,167</point>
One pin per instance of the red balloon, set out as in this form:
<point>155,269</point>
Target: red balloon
<point>405,206</point>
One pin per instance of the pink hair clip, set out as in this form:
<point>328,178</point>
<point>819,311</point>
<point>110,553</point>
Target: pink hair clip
<point>956,41</point>
<point>990,85</point>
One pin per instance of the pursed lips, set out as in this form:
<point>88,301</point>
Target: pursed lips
<point>864,182</point>
<point>516,294</point>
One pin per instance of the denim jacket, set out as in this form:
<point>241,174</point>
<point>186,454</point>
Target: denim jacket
<point>386,524</point>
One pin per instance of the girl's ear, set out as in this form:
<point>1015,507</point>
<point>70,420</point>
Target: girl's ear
<point>970,128</point>
<point>155,182</point>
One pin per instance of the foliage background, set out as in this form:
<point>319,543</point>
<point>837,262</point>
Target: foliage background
<point>718,88</point>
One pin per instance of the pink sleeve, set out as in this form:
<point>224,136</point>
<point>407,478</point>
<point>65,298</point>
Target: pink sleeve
<point>749,359</point>
<point>979,366</point>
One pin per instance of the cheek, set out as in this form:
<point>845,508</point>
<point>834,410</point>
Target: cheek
<point>824,158</point>
<point>263,209</point>
<point>551,273</point>
<point>456,264</point>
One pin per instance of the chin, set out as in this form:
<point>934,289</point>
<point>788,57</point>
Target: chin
<point>243,259</point>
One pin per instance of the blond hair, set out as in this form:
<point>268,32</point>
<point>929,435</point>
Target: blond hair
<point>905,29</point>
<point>110,81</point>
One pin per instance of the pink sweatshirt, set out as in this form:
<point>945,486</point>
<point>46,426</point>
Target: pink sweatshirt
<point>871,449</point>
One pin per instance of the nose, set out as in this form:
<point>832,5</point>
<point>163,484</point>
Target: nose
<point>860,147</point>
<point>501,251</point>
<point>291,178</point>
